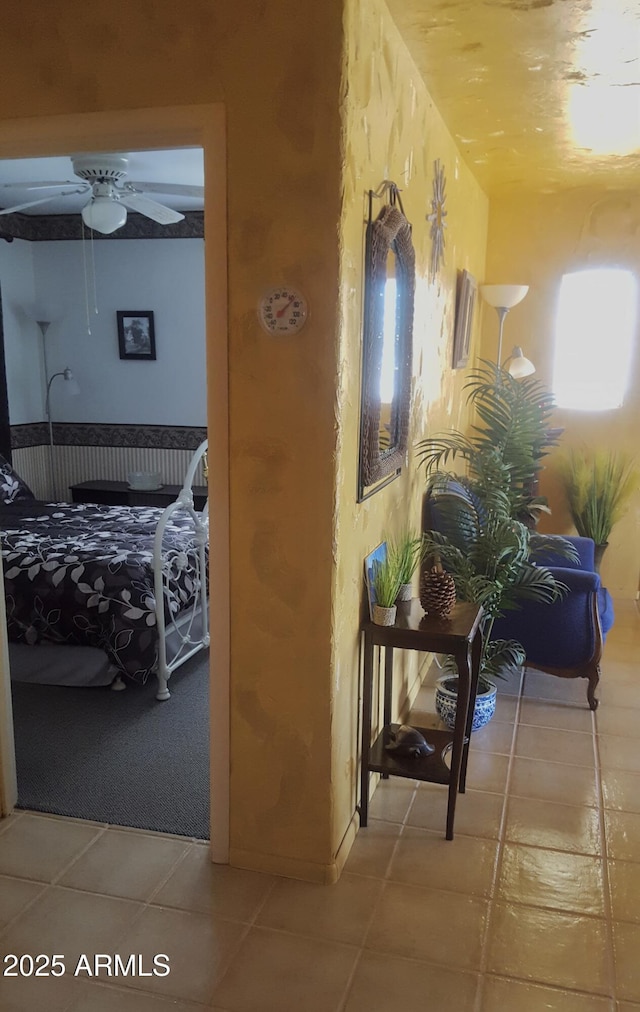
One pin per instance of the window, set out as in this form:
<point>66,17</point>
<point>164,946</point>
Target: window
<point>595,329</point>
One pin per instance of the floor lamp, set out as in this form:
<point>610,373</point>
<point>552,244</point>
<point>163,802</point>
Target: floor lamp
<point>73,388</point>
<point>503,298</point>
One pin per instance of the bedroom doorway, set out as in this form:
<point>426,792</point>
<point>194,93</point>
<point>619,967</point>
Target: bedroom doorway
<point>195,126</point>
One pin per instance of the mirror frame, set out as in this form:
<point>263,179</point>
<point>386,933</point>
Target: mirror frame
<point>390,232</point>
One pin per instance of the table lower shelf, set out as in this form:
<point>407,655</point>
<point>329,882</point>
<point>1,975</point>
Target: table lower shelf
<point>431,768</point>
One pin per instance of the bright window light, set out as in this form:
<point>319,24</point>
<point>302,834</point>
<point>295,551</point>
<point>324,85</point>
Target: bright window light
<point>387,375</point>
<point>595,331</point>
<point>605,118</point>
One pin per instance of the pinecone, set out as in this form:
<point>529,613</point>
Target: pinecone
<point>437,592</point>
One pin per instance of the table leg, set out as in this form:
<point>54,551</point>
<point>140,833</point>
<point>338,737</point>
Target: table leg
<point>462,707</point>
<point>366,729</point>
<point>388,684</point>
<point>476,653</point>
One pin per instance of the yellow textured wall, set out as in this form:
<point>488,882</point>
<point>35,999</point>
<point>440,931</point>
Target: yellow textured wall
<point>294,403</point>
<point>534,239</point>
<point>392,130</point>
<point>278,74</point>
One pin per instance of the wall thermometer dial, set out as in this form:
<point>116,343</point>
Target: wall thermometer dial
<point>282,310</point>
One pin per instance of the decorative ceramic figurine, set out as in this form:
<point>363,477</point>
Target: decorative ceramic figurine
<point>408,741</point>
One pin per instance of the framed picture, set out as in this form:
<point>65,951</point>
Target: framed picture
<point>465,305</point>
<point>374,558</point>
<point>136,334</point>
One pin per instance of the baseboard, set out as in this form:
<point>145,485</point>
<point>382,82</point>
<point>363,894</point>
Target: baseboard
<point>346,844</point>
<point>286,867</point>
<point>291,867</point>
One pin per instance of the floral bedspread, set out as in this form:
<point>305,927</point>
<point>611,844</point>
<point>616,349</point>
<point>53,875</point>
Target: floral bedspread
<point>83,574</point>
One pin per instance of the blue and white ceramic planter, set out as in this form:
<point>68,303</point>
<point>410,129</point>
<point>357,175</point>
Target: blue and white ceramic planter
<point>447,700</point>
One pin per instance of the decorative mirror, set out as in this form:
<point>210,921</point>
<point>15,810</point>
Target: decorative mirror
<point>387,345</point>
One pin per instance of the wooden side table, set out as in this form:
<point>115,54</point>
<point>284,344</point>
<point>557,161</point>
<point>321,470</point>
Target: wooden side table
<point>461,636</point>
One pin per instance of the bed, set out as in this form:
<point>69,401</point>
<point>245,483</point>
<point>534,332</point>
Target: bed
<point>129,581</point>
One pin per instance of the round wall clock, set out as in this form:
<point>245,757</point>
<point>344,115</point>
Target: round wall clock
<point>283,310</point>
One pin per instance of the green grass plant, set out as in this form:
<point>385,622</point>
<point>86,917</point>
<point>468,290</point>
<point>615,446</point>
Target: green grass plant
<point>405,551</point>
<point>598,484</point>
<point>386,581</point>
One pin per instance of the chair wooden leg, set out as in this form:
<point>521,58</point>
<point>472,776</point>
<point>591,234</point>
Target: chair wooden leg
<point>594,677</point>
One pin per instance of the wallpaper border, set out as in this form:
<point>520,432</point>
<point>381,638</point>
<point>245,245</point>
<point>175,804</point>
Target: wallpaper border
<point>159,437</point>
<point>48,227</point>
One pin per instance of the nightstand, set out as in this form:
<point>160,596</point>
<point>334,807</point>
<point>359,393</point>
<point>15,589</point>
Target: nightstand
<point>118,493</point>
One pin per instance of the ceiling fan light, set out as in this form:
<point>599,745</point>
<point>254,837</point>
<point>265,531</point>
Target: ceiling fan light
<point>104,214</point>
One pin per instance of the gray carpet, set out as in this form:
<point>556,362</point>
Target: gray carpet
<point>118,757</point>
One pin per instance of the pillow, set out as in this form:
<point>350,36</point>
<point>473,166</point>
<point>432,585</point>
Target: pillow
<point>12,487</point>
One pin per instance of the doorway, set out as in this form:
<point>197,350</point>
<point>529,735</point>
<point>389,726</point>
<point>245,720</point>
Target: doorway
<point>201,126</point>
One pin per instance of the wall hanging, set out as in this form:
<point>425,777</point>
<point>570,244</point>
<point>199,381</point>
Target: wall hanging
<point>136,334</point>
<point>465,305</point>
<point>437,218</point>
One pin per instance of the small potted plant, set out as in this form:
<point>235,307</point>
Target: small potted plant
<point>598,485</point>
<point>405,552</point>
<point>386,584</point>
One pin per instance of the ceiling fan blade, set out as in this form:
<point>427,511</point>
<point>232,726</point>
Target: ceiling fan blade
<point>151,208</point>
<point>176,189</point>
<point>40,186</point>
<point>32,203</point>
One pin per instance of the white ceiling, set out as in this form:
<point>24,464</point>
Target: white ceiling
<point>181,165</point>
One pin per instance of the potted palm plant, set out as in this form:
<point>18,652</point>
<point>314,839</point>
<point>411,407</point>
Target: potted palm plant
<point>598,485</point>
<point>488,552</point>
<point>514,417</point>
<point>477,530</point>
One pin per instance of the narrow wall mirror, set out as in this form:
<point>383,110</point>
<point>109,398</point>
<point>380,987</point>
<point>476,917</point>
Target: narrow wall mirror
<point>387,345</point>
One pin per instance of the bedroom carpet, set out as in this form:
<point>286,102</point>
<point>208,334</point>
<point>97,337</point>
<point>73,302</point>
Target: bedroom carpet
<point>118,757</point>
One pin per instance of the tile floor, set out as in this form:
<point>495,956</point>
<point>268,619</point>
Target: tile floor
<point>534,906</point>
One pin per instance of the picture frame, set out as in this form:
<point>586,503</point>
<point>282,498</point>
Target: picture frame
<point>467,289</point>
<point>371,560</point>
<point>136,334</point>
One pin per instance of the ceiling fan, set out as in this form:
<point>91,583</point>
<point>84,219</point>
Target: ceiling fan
<point>104,181</point>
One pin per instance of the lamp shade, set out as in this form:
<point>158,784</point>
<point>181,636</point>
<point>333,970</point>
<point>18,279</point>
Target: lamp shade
<point>503,296</point>
<point>104,214</point>
<point>72,386</point>
<point>518,366</point>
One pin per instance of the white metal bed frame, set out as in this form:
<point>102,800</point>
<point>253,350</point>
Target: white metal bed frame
<point>188,632</point>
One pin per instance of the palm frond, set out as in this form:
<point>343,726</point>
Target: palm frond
<point>436,452</point>
<point>543,545</point>
<point>536,583</point>
<point>503,658</point>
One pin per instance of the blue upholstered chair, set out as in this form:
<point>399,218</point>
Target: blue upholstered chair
<point>564,638</point>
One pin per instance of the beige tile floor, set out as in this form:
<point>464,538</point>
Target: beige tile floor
<point>534,906</point>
